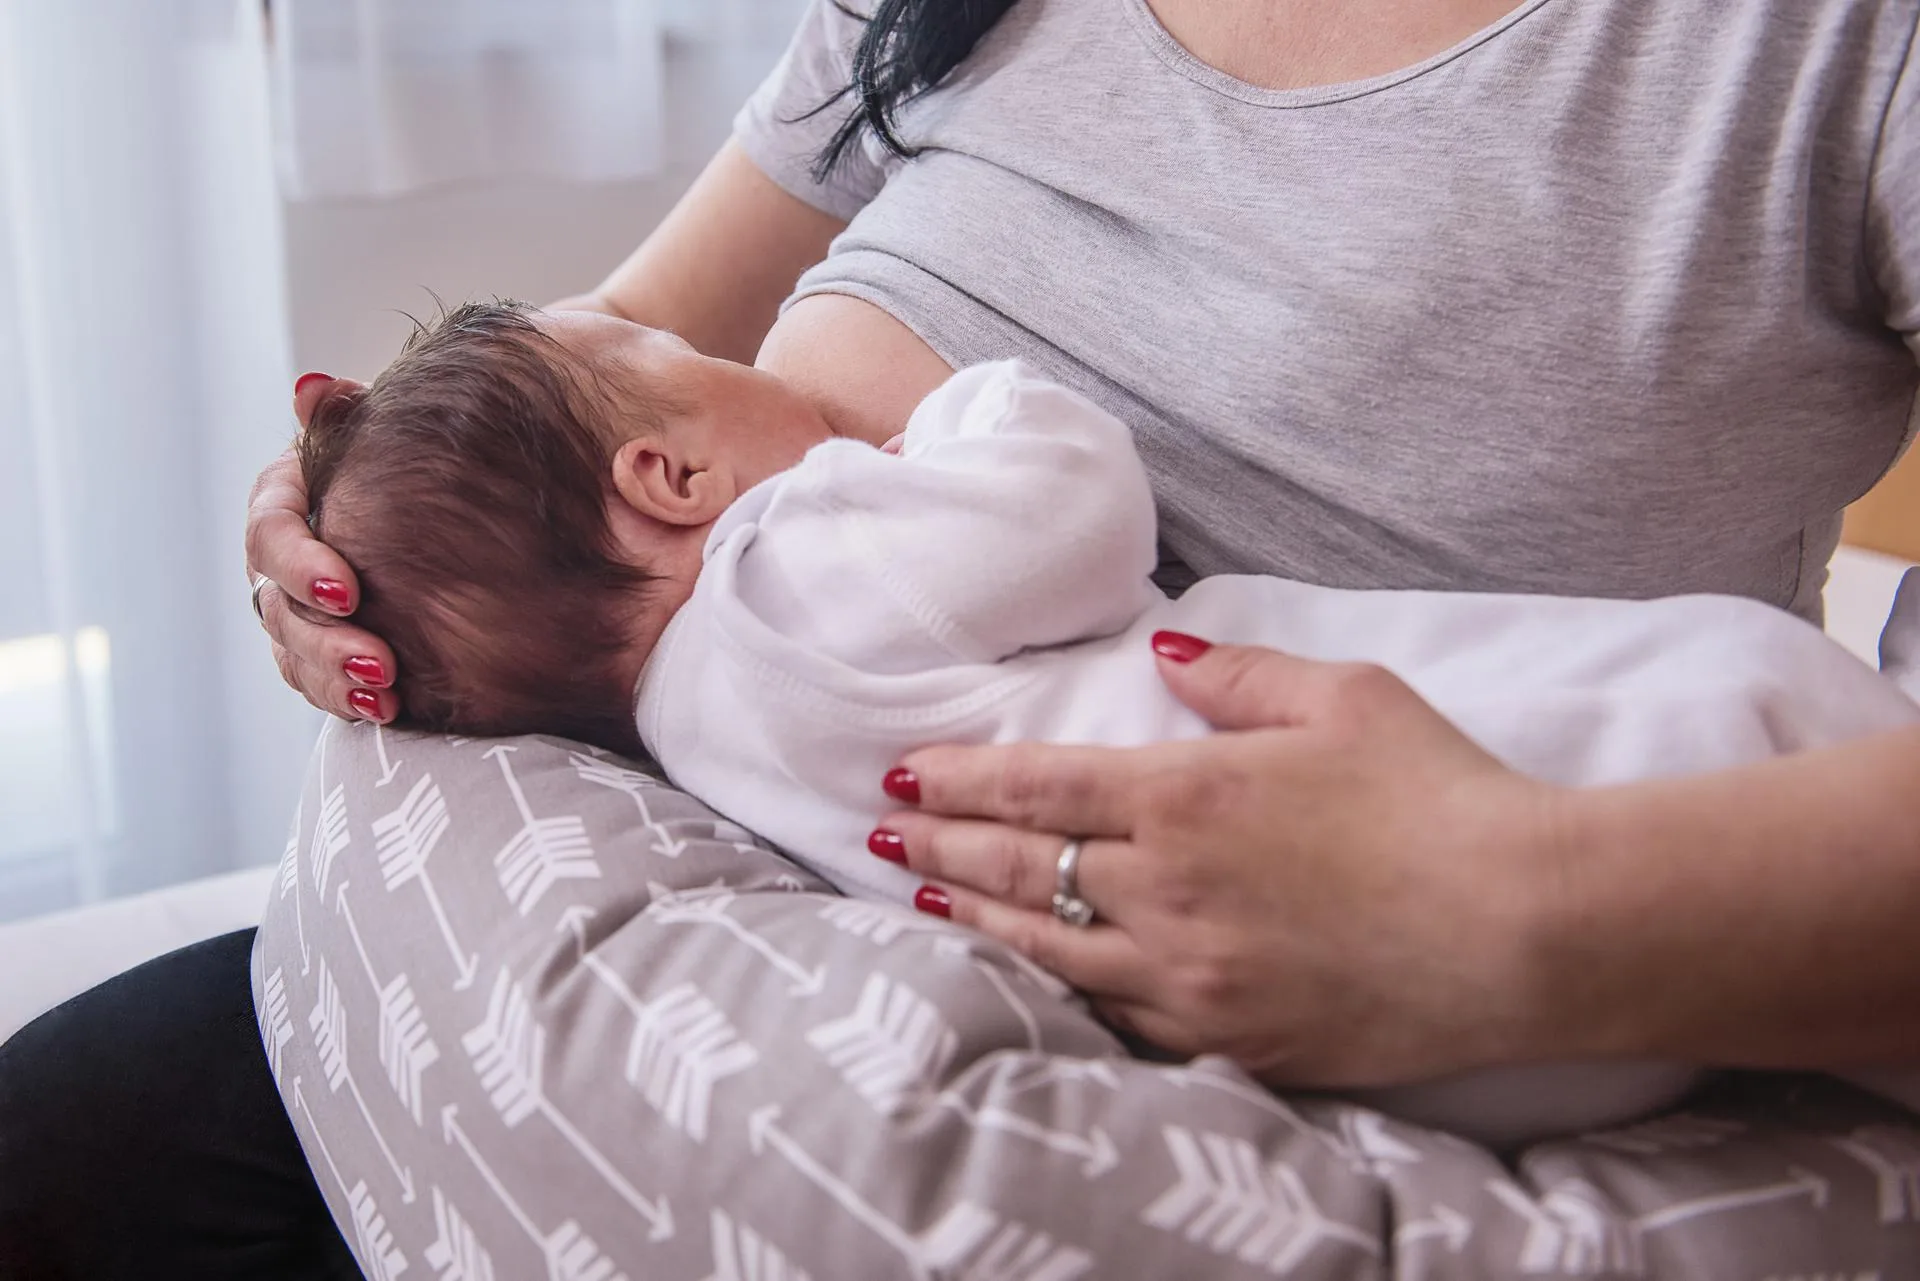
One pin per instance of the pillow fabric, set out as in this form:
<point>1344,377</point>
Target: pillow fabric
<point>536,1014</point>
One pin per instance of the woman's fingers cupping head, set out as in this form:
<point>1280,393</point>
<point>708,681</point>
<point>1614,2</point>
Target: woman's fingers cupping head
<point>310,389</point>
<point>337,667</point>
<point>283,548</point>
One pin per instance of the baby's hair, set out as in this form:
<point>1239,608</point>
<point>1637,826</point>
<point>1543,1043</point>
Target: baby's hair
<point>468,488</point>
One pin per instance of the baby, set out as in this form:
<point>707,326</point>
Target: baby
<point>571,524</point>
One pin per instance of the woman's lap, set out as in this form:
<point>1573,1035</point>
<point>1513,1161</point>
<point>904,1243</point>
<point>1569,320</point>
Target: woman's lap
<point>141,1135</point>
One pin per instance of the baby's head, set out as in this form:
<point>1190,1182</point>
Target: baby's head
<point>525,496</point>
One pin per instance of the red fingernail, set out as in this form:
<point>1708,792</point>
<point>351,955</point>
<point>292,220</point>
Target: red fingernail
<point>332,594</point>
<point>902,785</point>
<point>365,702</point>
<point>933,900</point>
<point>304,379</point>
<point>1179,646</point>
<point>368,671</point>
<point>887,845</point>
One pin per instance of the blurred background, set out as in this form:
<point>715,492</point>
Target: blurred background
<point>199,199</point>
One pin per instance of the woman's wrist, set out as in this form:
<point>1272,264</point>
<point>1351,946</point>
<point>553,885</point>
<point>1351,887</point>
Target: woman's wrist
<point>1758,917</point>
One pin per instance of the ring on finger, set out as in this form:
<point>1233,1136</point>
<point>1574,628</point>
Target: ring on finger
<point>259,581</point>
<point>1067,903</point>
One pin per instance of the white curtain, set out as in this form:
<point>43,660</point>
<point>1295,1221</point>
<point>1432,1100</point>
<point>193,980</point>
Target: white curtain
<point>143,380</point>
<point>145,736</point>
<point>385,97</point>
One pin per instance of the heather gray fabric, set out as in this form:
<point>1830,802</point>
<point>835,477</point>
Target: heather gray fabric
<point>1605,301</point>
<point>535,1015</point>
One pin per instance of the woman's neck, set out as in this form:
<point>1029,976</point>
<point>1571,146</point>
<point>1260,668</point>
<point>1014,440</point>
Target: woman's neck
<point>1300,44</point>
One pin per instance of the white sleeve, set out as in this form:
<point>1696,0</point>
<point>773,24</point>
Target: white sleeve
<point>1017,516</point>
<point>794,114</point>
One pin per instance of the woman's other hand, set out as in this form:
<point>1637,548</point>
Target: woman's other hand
<point>1336,890</point>
<point>311,590</point>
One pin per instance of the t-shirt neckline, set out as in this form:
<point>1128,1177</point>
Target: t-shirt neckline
<point>1175,55</point>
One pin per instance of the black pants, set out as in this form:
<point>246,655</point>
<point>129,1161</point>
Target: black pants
<point>141,1137</point>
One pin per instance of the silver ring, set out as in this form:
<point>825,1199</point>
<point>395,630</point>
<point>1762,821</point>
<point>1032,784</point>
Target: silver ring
<point>259,581</point>
<point>1067,903</point>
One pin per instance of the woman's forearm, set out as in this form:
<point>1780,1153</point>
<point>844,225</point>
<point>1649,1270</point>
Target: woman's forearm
<point>718,266</point>
<point>1766,917</point>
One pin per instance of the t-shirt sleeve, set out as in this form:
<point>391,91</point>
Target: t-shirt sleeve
<point>791,117</point>
<point>1893,205</point>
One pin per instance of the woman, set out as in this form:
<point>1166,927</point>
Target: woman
<point>1581,296</point>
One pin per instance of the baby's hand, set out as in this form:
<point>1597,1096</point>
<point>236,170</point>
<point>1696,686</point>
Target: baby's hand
<point>893,446</point>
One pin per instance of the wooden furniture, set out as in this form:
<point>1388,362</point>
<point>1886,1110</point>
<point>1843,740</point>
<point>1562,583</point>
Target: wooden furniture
<point>1888,519</point>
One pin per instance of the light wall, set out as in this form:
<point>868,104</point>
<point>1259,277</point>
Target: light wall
<point>354,267</point>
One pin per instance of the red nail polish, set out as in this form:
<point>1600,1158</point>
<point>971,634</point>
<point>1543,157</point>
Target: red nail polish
<point>933,900</point>
<point>365,702</point>
<point>368,671</point>
<point>304,379</point>
<point>887,845</point>
<point>1179,646</point>
<point>902,785</point>
<point>332,594</point>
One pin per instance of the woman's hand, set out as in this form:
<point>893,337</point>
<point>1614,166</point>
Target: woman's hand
<point>338,667</point>
<point>1336,891</point>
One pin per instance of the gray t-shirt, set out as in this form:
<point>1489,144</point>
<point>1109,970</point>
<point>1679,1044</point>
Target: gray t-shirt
<point>1609,299</point>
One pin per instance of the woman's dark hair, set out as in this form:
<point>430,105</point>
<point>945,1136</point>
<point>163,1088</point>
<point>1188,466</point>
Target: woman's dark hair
<point>909,46</point>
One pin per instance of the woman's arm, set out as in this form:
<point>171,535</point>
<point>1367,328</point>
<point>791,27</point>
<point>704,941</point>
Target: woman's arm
<point>717,268</point>
<point>714,271</point>
<point>1340,889</point>
<point>1767,916</point>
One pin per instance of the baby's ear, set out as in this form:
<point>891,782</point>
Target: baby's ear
<point>657,481</point>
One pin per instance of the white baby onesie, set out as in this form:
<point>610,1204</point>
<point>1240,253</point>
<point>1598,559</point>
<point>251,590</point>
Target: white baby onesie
<point>990,584</point>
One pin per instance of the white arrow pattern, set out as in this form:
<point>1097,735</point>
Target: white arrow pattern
<point>682,1047</point>
<point>404,840</point>
<point>387,771</point>
<point>570,1254</point>
<point>1893,1155</point>
<point>1229,1199</point>
<point>544,851</point>
<point>709,907</point>
<point>879,923</point>
<point>1446,1225</point>
<point>1094,1150</point>
<point>330,836</point>
<point>1374,1150</point>
<point>406,1049</point>
<point>328,1022</point>
<point>456,1253</point>
<point>507,1051</point>
<point>635,786</point>
<point>971,1243</point>
<point>377,1251</point>
<point>892,1049</point>
<point>741,1254</point>
<point>276,1027</point>
<point>1571,1231</point>
<point>290,880</point>
<point>764,1132</point>
<point>1681,1132</point>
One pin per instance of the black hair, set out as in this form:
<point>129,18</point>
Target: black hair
<point>908,47</point>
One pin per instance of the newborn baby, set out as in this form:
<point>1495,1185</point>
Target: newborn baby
<point>570,524</point>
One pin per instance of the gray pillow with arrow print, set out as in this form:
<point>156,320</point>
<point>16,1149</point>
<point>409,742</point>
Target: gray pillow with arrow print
<point>535,1014</point>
